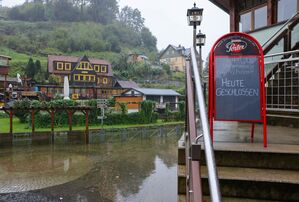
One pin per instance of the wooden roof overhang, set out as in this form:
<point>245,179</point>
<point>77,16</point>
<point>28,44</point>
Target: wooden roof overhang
<point>223,4</point>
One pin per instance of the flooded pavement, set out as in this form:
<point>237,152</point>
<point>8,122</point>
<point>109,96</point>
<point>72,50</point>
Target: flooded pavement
<point>138,168</point>
<point>236,132</point>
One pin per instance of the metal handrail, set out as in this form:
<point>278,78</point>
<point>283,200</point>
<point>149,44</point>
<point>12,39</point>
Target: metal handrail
<point>209,151</point>
<point>193,175</point>
<point>282,60</point>
<point>280,29</point>
<point>281,53</point>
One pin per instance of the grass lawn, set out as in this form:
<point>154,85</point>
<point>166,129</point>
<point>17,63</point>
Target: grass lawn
<point>20,127</point>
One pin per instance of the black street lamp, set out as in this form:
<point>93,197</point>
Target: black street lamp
<point>194,16</point>
<point>200,41</point>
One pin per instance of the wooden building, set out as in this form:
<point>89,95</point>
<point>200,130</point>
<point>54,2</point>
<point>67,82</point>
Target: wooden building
<point>275,24</point>
<point>160,96</point>
<point>175,57</point>
<point>4,68</point>
<point>135,57</point>
<point>254,15</point>
<point>88,77</point>
<point>81,71</point>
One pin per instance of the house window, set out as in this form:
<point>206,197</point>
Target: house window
<point>260,17</point>
<point>105,80</point>
<point>92,78</point>
<point>81,78</point>
<point>59,65</point>
<point>68,66</point>
<point>253,19</point>
<point>286,9</point>
<point>76,77</point>
<point>85,66</point>
<point>88,66</point>
<point>97,68</point>
<point>104,68</point>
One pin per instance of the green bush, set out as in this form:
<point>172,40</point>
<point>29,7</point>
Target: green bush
<point>43,118</point>
<point>3,115</point>
<point>147,111</point>
<point>182,110</point>
<point>22,114</point>
<point>131,118</point>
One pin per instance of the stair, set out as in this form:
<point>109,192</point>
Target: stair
<point>282,97</point>
<point>181,170</point>
<point>248,171</point>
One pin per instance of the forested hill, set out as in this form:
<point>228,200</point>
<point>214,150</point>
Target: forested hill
<point>98,28</point>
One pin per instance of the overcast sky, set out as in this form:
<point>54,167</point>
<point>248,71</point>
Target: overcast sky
<point>168,22</point>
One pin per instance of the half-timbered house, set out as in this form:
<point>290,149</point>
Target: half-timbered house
<point>88,77</point>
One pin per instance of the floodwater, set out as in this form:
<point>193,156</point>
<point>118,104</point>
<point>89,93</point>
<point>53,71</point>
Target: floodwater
<point>137,167</point>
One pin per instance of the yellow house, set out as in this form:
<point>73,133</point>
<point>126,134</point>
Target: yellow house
<point>175,57</point>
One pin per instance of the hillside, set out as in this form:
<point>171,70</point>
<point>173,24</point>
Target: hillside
<point>70,27</point>
<point>22,40</point>
<point>39,28</point>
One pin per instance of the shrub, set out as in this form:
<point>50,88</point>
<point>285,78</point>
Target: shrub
<point>43,119</point>
<point>22,114</point>
<point>3,115</point>
<point>147,111</point>
<point>182,110</point>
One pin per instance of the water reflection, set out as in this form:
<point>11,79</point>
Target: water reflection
<point>142,168</point>
<point>159,186</point>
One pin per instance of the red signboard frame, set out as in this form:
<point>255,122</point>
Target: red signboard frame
<point>212,85</point>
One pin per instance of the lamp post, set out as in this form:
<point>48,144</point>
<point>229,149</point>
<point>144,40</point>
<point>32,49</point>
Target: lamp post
<point>194,16</point>
<point>200,41</point>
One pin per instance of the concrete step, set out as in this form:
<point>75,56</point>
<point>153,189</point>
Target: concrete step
<point>246,155</point>
<point>255,175</point>
<point>276,119</point>
<point>181,179</point>
<point>181,198</point>
<point>252,183</point>
<point>231,199</point>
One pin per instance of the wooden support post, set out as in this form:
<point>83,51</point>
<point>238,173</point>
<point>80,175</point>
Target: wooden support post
<point>70,113</point>
<point>10,120</point>
<point>86,120</point>
<point>252,132</point>
<point>234,16</point>
<point>289,40</point>
<point>5,81</point>
<point>271,12</point>
<point>33,120</point>
<point>52,112</point>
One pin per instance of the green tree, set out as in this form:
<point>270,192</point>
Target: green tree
<point>65,11</point>
<point>167,69</point>
<point>30,69</point>
<point>123,107</point>
<point>148,40</point>
<point>38,66</point>
<point>53,79</point>
<point>103,11</point>
<point>131,18</point>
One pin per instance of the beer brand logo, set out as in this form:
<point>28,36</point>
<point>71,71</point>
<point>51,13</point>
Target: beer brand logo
<point>235,46</point>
